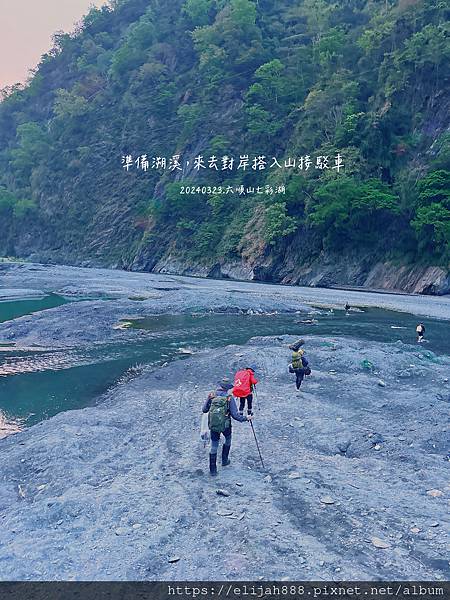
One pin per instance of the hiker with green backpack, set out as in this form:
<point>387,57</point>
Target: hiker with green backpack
<point>221,408</point>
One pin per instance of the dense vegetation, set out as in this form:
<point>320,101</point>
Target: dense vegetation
<point>366,79</point>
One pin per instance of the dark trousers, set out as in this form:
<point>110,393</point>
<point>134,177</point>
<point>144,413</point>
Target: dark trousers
<point>215,437</point>
<point>249,399</point>
<point>299,374</point>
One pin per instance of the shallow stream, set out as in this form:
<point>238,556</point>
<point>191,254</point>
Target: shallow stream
<point>36,384</point>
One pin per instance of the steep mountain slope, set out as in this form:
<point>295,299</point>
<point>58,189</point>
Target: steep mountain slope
<point>340,109</point>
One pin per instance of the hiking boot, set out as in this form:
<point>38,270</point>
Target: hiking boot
<point>249,412</point>
<point>225,453</point>
<point>241,412</point>
<point>213,464</point>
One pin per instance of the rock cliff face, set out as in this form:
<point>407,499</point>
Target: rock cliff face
<point>415,279</point>
<point>325,271</point>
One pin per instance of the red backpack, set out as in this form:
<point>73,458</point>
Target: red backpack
<point>243,383</point>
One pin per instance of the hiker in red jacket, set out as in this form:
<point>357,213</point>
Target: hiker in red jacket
<point>244,382</point>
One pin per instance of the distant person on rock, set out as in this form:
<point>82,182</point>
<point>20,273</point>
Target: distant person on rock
<point>347,307</point>
<point>420,330</point>
<point>244,384</point>
<point>221,407</point>
<point>299,363</point>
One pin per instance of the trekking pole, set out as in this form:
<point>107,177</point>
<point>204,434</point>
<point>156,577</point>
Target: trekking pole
<point>257,445</point>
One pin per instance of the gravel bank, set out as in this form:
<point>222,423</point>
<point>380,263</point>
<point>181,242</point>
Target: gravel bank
<point>356,461</point>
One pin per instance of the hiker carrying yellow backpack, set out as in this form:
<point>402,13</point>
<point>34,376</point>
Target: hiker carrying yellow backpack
<point>299,363</point>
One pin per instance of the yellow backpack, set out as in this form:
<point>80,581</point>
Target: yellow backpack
<point>297,359</point>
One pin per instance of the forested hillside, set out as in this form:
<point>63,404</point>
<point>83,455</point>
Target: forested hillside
<point>345,104</point>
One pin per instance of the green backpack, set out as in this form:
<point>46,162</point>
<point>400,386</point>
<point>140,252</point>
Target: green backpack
<point>219,414</point>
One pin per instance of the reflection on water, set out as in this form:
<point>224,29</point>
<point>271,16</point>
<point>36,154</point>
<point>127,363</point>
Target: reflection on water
<point>8,427</point>
<point>32,363</point>
<point>35,385</point>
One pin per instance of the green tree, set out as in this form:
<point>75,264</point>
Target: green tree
<point>198,11</point>
<point>17,207</point>
<point>69,105</point>
<point>349,211</point>
<point>270,86</point>
<point>435,187</point>
<point>32,147</point>
<point>432,226</point>
<point>278,223</point>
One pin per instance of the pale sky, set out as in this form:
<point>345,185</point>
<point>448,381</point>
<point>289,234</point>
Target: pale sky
<point>26,29</point>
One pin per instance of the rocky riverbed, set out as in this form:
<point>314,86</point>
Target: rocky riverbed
<point>355,484</point>
<point>106,296</point>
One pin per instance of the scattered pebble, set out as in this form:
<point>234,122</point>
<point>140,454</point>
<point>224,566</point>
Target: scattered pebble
<point>174,559</point>
<point>355,522</point>
<point>381,383</point>
<point>221,492</point>
<point>327,500</point>
<point>435,493</point>
<point>224,513</point>
<point>378,543</point>
<point>434,524</point>
<point>415,530</point>
<point>294,475</point>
